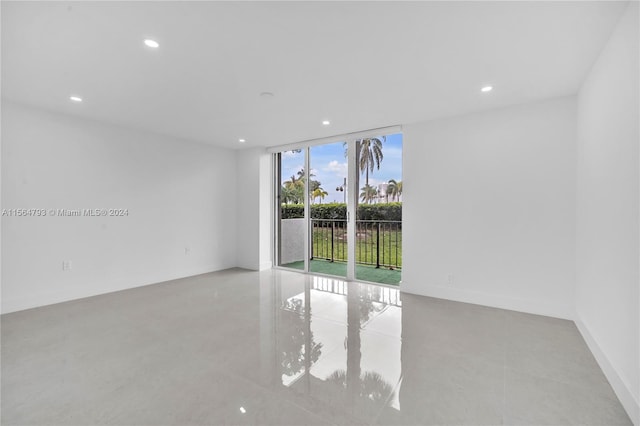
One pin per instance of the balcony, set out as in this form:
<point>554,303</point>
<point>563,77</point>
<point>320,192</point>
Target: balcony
<point>378,249</point>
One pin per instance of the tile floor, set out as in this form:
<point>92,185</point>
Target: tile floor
<point>278,347</point>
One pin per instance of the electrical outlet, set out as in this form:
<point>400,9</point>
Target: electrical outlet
<point>66,265</point>
<point>450,279</point>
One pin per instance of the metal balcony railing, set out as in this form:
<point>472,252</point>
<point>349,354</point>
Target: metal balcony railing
<point>378,242</point>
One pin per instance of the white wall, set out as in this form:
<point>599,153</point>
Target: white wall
<point>176,192</point>
<point>490,199</point>
<point>265,210</point>
<point>254,209</point>
<point>607,296</point>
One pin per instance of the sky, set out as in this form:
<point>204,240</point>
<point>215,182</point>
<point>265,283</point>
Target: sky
<point>329,165</point>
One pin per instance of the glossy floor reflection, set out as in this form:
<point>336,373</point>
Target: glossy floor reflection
<point>278,347</point>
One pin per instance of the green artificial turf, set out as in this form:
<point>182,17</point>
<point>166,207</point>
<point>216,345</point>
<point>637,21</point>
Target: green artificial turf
<point>363,272</point>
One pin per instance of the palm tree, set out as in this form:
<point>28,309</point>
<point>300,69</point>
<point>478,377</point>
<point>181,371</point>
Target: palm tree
<point>394,188</point>
<point>313,184</point>
<point>319,193</point>
<point>368,193</point>
<point>369,152</point>
<point>302,175</point>
<point>370,155</point>
<point>293,181</point>
<point>293,189</point>
<point>287,195</point>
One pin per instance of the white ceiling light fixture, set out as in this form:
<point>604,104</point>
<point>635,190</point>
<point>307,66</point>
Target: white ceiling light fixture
<point>326,122</point>
<point>151,43</point>
<point>486,89</point>
<point>75,98</point>
<point>267,95</point>
<point>241,140</point>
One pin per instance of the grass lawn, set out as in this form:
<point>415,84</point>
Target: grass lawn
<point>363,272</point>
<point>366,246</point>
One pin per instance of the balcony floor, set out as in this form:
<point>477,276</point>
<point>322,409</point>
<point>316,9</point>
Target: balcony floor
<point>363,272</point>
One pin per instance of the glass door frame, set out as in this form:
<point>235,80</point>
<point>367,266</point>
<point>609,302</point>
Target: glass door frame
<point>352,195</point>
<point>352,206</point>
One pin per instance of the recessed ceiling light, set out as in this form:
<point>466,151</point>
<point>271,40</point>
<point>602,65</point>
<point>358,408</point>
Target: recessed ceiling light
<point>486,89</point>
<point>75,98</point>
<point>326,122</point>
<point>267,95</point>
<point>151,43</point>
<point>241,140</point>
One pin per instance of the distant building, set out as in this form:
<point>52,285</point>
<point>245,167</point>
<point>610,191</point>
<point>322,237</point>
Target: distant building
<point>382,193</point>
<point>383,197</point>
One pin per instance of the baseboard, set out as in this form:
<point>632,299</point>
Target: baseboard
<point>630,404</point>
<point>491,300</point>
<point>10,305</point>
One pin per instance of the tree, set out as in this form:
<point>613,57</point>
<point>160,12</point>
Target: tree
<point>368,193</point>
<point>369,152</point>
<point>293,189</point>
<point>319,193</point>
<point>394,188</point>
<point>370,155</point>
<point>288,196</point>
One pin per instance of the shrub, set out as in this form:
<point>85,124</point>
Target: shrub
<point>383,211</point>
<point>292,211</point>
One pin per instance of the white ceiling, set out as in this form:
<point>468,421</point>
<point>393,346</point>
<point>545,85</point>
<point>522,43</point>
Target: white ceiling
<point>361,65</point>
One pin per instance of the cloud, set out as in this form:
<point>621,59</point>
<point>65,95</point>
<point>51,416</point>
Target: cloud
<point>337,168</point>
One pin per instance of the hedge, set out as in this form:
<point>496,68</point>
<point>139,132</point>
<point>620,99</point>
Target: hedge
<point>383,211</point>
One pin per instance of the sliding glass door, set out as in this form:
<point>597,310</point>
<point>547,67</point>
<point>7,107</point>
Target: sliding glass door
<point>291,199</point>
<point>339,209</point>
<point>329,252</point>
<point>379,209</point>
